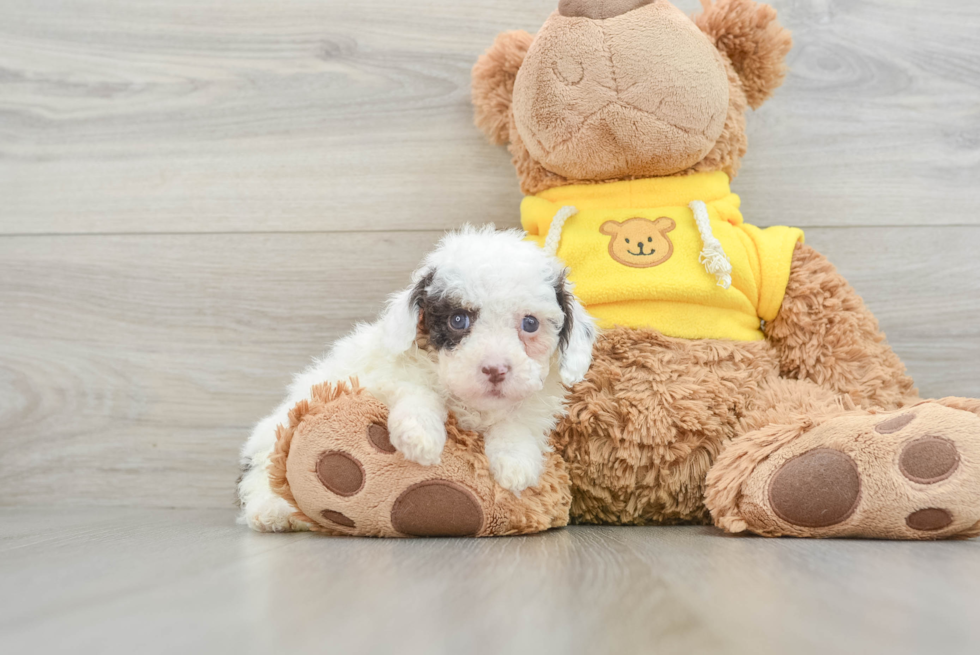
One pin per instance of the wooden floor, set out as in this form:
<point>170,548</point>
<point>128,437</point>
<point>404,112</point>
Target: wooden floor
<point>181,581</point>
<point>196,196</point>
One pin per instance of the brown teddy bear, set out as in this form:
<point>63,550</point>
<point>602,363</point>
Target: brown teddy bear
<point>739,379</point>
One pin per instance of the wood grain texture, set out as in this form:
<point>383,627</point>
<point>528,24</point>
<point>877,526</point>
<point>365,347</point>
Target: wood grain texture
<point>309,115</point>
<point>131,367</point>
<point>109,580</point>
<point>198,196</point>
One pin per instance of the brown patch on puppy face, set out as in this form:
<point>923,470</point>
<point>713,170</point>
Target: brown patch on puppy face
<point>639,242</point>
<point>443,322</point>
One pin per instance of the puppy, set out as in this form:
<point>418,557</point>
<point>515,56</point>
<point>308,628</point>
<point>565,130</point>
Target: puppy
<point>489,330</point>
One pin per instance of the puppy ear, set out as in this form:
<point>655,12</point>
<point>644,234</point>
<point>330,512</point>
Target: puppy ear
<point>577,335</point>
<point>400,319</point>
<point>757,45</point>
<point>493,84</point>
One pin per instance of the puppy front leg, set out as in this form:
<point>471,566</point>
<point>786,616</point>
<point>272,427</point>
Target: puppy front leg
<point>417,425</point>
<point>516,455</point>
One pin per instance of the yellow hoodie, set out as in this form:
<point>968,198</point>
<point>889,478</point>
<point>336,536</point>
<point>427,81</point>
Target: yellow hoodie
<point>670,253</point>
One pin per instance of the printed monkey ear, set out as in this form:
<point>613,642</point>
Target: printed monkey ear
<point>493,84</point>
<point>611,228</point>
<point>752,38</point>
<point>664,224</point>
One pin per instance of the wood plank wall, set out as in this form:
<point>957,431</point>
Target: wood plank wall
<point>197,196</point>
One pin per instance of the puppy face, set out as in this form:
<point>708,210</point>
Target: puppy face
<point>493,351</point>
<point>496,314</point>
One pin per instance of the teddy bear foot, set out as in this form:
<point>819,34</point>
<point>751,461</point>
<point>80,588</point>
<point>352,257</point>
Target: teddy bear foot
<point>336,465</point>
<point>910,474</point>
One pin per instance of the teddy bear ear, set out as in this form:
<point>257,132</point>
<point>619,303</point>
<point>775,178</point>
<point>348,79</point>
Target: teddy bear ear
<point>752,38</point>
<point>610,228</point>
<point>493,83</point>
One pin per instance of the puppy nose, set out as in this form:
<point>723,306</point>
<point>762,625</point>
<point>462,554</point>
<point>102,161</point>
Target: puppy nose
<point>599,9</point>
<point>496,374</point>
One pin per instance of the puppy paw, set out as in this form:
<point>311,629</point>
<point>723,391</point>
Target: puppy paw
<point>420,437</point>
<point>515,470</point>
<point>271,514</point>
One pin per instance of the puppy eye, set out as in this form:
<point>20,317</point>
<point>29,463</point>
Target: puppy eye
<point>530,324</point>
<point>627,241</point>
<point>649,239</point>
<point>459,321</point>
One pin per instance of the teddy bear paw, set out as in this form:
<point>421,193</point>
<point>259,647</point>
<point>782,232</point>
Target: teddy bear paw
<point>346,475</point>
<point>337,464</point>
<point>914,474</point>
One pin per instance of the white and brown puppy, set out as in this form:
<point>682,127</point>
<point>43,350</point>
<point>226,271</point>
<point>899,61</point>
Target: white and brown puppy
<point>489,329</point>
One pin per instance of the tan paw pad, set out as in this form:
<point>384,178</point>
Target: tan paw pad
<point>817,489</point>
<point>437,508</point>
<point>380,438</point>
<point>338,518</point>
<point>340,473</point>
<point>929,460</point>
<point>929,519</point>
<point>894,424</point>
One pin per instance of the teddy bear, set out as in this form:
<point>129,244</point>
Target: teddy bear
<point>738,379</point>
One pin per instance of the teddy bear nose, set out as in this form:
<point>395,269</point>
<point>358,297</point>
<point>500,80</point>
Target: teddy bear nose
<point>599,9</point>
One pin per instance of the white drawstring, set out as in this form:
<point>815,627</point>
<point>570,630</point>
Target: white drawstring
<point>553,239</point>
<point>713,254</point>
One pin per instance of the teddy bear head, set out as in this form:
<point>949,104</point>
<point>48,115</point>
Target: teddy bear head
<point>623,89</point>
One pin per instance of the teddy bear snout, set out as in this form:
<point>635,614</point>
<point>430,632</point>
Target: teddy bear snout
<point>599,9</point>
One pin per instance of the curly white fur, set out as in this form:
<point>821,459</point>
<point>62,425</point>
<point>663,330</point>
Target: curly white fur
<point>500,279</point>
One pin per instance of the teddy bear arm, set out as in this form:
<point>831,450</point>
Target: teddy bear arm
<point>826,334</point>
<point>335,465</point>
